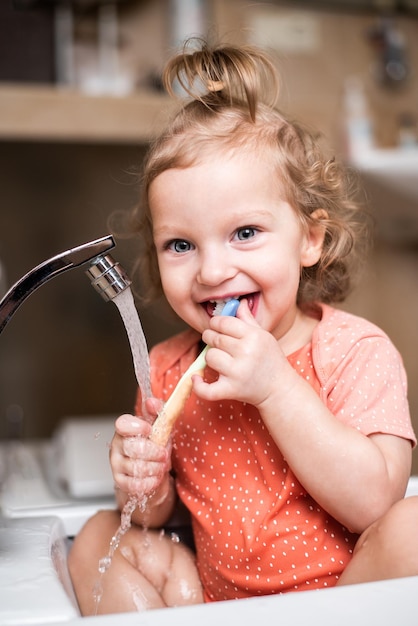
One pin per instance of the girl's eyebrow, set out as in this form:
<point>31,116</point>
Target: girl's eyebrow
<point>253,216</point>
<point>167,230</point>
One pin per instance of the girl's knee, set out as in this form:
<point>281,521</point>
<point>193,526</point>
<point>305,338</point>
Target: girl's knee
<point>395,535</point>
<point>400,521</point>
<point>164,569</point>
<point>388,548</point>
<point>100,523</point>
<point>182,583</point>
<point>91,538</point>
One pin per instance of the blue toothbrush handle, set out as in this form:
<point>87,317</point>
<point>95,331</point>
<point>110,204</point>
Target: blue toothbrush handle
<point>231,307</point>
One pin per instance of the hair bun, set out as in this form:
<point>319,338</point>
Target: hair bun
<point>231,75</point>
<point>215,85</point>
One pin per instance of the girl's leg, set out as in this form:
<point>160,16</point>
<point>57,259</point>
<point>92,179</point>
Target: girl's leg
<point>148,569</point>
<point>388,548</point>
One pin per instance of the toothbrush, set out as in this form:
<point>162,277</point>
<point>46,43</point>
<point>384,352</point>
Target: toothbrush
<point>163,425</point>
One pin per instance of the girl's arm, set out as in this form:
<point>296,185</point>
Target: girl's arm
<point>354,477</point>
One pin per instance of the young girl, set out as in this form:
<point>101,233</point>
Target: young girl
<point>294,450</point>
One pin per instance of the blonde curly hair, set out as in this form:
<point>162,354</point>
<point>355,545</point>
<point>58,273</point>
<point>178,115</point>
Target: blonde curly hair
<point>230,108</point>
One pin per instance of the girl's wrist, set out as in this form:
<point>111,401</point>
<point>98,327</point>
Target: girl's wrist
<point>163,492</point>
<point>281,398</point>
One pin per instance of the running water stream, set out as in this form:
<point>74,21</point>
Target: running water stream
<point>125,303</point>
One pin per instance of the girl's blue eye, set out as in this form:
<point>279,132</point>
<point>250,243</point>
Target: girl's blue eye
<point>179,246</point>
<point>246,233</point>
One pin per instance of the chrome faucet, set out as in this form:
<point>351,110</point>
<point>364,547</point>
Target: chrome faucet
<point>106,275</point>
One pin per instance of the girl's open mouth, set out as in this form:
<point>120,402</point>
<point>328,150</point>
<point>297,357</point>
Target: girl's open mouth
<point>215,307</point>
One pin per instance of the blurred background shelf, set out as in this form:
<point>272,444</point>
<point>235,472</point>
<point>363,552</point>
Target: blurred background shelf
<point>46,113</point>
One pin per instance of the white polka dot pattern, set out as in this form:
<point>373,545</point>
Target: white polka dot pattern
<point>361,375</point>
<point>256,529</point>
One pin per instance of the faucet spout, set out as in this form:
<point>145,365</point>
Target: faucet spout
<point>49,269</point>
<point>108,277</point>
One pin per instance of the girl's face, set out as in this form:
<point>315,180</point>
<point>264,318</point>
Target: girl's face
<point>222,230</point>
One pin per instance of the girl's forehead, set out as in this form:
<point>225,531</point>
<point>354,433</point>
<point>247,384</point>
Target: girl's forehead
<point>239,179</point>
<point>232,189</point>
<point>230,176</point>
<point>236,161</point>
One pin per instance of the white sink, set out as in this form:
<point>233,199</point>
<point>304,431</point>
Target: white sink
<point>35,586</point>
<point>390,179</point>
<point>396,169</point>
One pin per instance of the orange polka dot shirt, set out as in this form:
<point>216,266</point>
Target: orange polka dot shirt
<point>257,531</point>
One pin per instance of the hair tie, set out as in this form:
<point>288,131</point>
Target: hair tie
<point>214,85</point>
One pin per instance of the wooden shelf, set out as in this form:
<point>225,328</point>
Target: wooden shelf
<point>46,113</point>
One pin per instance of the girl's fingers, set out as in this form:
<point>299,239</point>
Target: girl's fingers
<point>245,314</point>
<point>211,391</point>
<point>224,327</point>
<point>231,326</point>
<point>154,406</point>
<point>141,469</point>
<point>131,426</point>
<point>143,448</point>
<point>137,486</point>
<point>138,464</point>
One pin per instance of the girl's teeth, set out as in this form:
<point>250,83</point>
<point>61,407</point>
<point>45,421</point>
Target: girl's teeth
<point>219,305</point>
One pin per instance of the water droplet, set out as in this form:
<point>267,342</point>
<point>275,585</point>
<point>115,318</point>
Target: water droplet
<point>97,595</point>
<point>143,504</point>
<point>104,564</point>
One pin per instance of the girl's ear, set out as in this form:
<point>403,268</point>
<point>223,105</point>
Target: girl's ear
<point>314,238</point>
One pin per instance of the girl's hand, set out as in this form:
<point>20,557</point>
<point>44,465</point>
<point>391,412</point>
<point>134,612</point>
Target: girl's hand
<point>247,358</point>
<point>138,464</point>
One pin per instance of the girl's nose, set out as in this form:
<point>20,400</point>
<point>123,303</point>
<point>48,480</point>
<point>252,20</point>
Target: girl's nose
<point>215,267</point>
